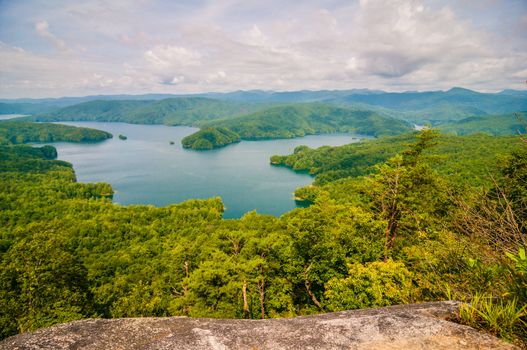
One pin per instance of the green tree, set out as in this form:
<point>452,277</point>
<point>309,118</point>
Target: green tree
<point>42,283</point>
<point>406,192</point>
<point>375,284</point>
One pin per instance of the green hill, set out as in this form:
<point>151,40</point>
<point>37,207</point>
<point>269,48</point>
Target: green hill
<point>308,119</point>
<point>473,155</point>
<point>508,124</point>
<point>171,111</point>
<point>210,138</point>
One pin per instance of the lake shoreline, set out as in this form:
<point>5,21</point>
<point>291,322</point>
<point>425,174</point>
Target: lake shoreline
<point>147,170</point>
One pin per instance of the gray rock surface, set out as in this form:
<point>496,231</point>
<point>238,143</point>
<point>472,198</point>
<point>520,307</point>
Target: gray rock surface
<point>418,326</point>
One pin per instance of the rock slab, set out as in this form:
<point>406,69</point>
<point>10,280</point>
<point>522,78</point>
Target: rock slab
<point>417,326</point>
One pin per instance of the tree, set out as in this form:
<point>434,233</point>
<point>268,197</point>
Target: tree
<point>42,283</point>
<point>405,190</point>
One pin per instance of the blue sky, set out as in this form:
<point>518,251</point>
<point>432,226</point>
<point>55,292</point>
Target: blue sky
<point>70,48</point>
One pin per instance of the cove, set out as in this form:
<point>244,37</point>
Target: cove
<point>146,169</point>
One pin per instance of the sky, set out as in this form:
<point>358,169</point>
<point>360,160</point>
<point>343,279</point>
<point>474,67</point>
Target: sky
<point>53,48</point>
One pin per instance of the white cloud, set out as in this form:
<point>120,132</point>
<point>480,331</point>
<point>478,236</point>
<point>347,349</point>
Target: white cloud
<point>229,45</point>
<point>42,28</point>
<point>172,57</point>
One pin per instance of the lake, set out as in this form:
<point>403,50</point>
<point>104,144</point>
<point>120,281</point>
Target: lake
<point>147,169</point>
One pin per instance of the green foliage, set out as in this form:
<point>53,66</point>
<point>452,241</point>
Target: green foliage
<point>210,138</point>
<point>67,252</point>
<point>514,172</point>
<point>46,283</point>
<point>463,159</point>
<point>502,318</point>
<point>333,163</point>
<point>305,119</point>
<point>375,284</point>
<point>517,271</point>
<point>25,158</point>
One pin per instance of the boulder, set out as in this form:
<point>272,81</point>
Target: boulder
<point>417,326</point>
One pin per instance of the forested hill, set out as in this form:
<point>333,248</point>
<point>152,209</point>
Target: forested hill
<point>435,107</point>
<point>299,120</point>
<point>210,138</point>
<point>171,111</point>
<point>459,157</point>
<point>404,233</point>
<point>508,124</point>
<point>16,132</point>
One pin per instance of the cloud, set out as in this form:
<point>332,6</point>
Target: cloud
<point>42,28</point>
<point>190,46</point>
<point>172,57</point>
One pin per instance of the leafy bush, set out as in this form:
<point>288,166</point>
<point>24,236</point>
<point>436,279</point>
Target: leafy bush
<point>372,285</point>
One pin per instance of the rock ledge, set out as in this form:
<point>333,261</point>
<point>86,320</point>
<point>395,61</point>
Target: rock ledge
<point>417,326</point>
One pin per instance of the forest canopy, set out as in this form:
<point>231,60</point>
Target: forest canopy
<point>407,229</point>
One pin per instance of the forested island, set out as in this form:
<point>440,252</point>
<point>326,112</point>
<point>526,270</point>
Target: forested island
<point>402,219</point>
<point>16,132</point>
<point>210,138</point>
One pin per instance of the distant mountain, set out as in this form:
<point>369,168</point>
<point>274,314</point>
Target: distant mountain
<point>437,106</point>
<point>23,108</point>
<point>69,101</point>
<point>514,92</point>
<point>429,106</point>
<point>289,96</point>
<point>171,111</point>
<point>241,96</point>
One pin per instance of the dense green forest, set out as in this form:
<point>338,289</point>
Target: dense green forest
<point>304,119</point>
<point>209,138</point>
<point>16,132</point>
<point>407,230</point>
<point>473,156</point>
<point>508,124</point>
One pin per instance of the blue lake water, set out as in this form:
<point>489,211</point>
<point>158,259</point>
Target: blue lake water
<point>147,169</point>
